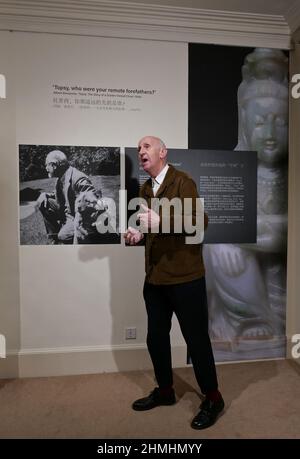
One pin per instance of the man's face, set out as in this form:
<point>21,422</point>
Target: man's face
<point>151,155</point>
<point>51,167</point>
<point>266,129</point>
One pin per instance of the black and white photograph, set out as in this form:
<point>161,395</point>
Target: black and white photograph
<point>69,194</point>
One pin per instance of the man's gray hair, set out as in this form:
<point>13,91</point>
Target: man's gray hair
<point>58,157</point>
<point>162,144</point>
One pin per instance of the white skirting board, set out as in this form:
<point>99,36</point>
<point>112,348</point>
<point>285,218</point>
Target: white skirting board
<point>83,360</point>
<point>91,360</point>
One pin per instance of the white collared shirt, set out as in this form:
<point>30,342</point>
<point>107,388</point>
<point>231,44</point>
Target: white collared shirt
<point>157,181</point>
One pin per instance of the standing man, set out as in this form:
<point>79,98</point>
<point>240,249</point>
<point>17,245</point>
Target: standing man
<point>59,208</point>
<point>174,282</point>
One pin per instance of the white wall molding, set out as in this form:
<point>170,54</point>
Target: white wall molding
<point>292,16</point>
<point>89,360</point>
<point>155,22</point>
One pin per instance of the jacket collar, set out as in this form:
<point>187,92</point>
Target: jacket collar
<point>64,181</point>
<point>169,178</point>
<point>68,174</point>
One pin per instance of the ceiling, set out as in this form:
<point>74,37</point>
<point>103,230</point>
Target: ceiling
<point>269,23</point>
<point>289,10</point>
<point>277,7</point>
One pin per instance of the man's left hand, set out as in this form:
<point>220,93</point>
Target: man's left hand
<point>148,219</point>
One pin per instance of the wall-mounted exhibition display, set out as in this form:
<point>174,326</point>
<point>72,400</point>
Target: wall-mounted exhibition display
<point>226,181</point>
<point>66,192</point>
<point>246,283</point>
<point>90,93</point>
<point>75,90</point>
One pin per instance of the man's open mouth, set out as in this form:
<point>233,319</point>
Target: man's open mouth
<point>144,161</point>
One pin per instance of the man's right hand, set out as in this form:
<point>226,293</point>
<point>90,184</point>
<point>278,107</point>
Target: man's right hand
<point>133,236</point>
<point>41,201</point>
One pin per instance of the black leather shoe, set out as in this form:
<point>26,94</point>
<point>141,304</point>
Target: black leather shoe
<point>208,414</point>
<point>154,399</point>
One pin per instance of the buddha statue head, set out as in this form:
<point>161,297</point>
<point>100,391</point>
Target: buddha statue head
<point>263,105</point>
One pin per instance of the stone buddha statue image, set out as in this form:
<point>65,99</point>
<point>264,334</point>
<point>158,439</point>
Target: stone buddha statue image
<point>247,282</point>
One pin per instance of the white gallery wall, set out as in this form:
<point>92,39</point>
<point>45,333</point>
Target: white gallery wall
<point>64,309</point>
<point>76,301</point>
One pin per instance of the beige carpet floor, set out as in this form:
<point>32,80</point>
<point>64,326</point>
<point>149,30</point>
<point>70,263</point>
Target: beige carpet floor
<point>262,401</point>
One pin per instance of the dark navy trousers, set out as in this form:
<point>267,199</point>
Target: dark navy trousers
<point>189,302</point>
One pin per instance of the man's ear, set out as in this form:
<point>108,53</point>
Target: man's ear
<point>55,168</point>
<point>163,153</point>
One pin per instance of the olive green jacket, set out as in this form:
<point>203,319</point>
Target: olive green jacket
<point>168,259</point>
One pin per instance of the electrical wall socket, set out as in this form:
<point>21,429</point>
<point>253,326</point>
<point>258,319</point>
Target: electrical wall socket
<point>130,333</point>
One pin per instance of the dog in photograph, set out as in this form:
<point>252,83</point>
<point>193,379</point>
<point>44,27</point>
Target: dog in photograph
<point>88,207</point>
